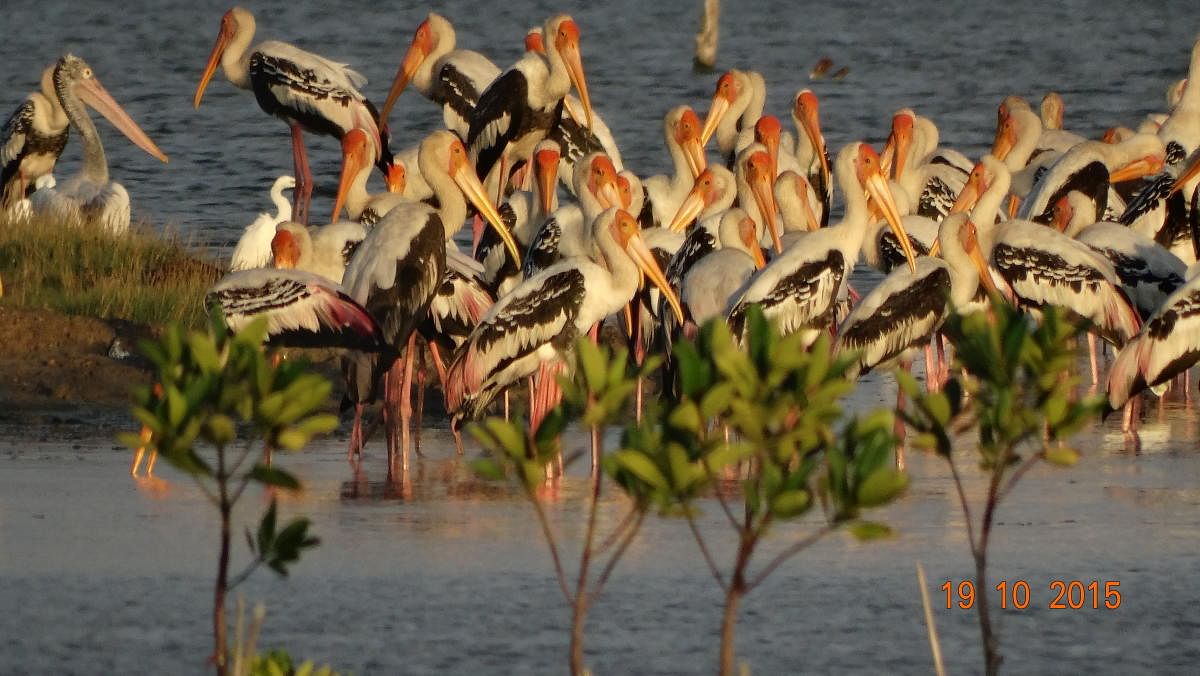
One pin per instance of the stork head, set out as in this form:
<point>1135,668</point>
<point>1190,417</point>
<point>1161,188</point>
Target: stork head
<point>685,130</point>
<point>760,176</point>
<point>869,171</point>
<point>748,236</point>
<point>424,41</point>
<point>534,41</point>
<point>564,33</point>
<point>1006,134</point>
<point>545,168</point>
<point>807,113</point>
<point>1052,111</point>
<point>443,152</point>
<point>236,21</point>
<point>706,190</point>
<point>625,231</point>
<point>285,247</point>
<point>977,183</point>
<point>729,88</point>
<point>397,177</point>
<point>899,143</point>
<point>767,131</point>
<point>602,181</point>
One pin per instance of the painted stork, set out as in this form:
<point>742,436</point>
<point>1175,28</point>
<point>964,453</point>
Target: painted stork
<point>1092,167</point>
<point>521,106</point>
<point>907,308</point>
<point>1149,273</point>
<point>1180,132</point>
<point>253,248</point>
<point>452,78</point>
<point>396,273</point>
<point>1165,347</point>
<point>736,105</point>
<point>352,193</point>
<point>707,286</point>
<point>525,213</point>
<point>1051,111</point>
<point>89,194</point>
<point>810,149</point>
<point>756,193</point>
<point>930,177</point>
<point>664,193</point>
<point>303,309</point>
<point>31,141</point>
<point>800,288</point>
<point>564,234</point>
<point>324,250</point>
<point>309,92</point>
<point>534,326</point>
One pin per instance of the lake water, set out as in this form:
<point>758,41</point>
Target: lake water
<point>1112,62</point>
<point>445,574</point>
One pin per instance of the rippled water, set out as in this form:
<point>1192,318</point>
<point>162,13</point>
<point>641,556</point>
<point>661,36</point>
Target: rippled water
<point>446,574</point>
<point>1111,61</point>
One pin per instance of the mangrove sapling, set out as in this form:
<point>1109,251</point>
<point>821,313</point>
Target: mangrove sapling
<point>777,403</point>
<point>209,383</point>
<point>1013,383</point>
<point>597,394</point>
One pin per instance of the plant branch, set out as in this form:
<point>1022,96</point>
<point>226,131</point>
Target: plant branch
<point>1020,472</point>
<point>962,499</point>
<point>616,557</point>
<point>237,493</point>
<point>720,498</point>
<point>712,565</point>
<point>212,497</point>
<point>549,535</point>
<point>246,447</point>
<point>786,554</point>
<point>241,577</point>
<point>615,535</point>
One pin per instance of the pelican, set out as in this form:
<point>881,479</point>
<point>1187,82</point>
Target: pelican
<point>89,194</point>
<point>800,288</point>
<point>309,92</point>
<point>533,327</point>
<point>253,248</point>
<point>31,141</point>
<point>452,78</point>
<point>520,107</point>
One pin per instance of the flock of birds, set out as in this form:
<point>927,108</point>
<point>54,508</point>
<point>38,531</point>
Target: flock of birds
<point>1105,229</point>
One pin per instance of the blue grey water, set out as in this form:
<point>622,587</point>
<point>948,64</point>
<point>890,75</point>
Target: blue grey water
<point>99,575</point>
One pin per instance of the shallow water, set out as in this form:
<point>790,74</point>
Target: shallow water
<point>448,574</point>
<point>1111,60</point>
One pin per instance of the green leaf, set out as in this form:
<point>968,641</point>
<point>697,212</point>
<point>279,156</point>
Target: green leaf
<point>881,487</point>
<point>219,429</point>
<point>488,468</point>
<point>291,439</point>
<point>204,352</point>
<point>273,476</point>
<point>686,417</point>
<point>869,530</point>
<point>788,504</point>
<point>642,467</point>
<point>1062,456</point>
<point>591,363</point>
<point>266,530</point>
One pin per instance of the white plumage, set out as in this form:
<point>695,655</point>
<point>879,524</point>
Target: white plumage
<point>253,248</point>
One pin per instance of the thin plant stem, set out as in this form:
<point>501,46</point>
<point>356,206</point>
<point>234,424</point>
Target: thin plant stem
<point>962,499</point>
<point>786,554</point>
<point>720,498</point>
<point>616,557</point>
<point>221,586</point>
<point>935,646</point>
<point>551,543</point>
<point>712,565</point>
<point>615,535</point>
<point>1020,472</point>
<point>212,497</point>
<point>581,600</point>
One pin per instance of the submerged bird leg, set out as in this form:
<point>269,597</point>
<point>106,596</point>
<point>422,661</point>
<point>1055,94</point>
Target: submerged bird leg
<point>898,426</point>
<point>391,409</point>
<point>406,399</point>
<point>302,193</point>
<point>354,452</point>
<point>1092,358</point>
<point>144,437</point>
<point>420,357</point>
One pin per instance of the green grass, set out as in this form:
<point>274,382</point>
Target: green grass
<point>141,276</point>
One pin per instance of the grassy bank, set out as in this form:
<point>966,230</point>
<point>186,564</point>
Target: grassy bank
<point>142,276</point>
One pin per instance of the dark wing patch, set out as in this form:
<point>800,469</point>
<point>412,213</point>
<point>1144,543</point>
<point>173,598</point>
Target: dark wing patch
<point>543,248</point>
<point>269,72</point>
<point>1148,199</point>
<point>557,301</point>
<point>574,140</point>
<point>903,320</point>
<point>1091,180</point>
<point>454,89</point>
<point>402,306</point>
<point>1034,266</point>
<point>812,288</point>
<point>497,119</point>
<point>936,199</point>
<point>892,255</point>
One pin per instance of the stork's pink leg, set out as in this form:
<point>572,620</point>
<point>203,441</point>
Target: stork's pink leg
<point>420,356</point>
<point>931,370</point>
<point>302,194</point>
<point>943,369</point>
<point>594,333</point>
<point>354,453</point>
<point>406,399</point>
<point>391,409</point>
<point>899,424</point>
<point>1092,358</point>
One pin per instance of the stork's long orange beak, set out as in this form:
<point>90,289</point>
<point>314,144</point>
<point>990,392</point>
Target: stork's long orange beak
<point>870,175</point>
<point>413,58</point>
<point>971,191</point>
<point>721,101</point>
<point>1143,166</point>
<point>546,172</point>
<point>808,112</point>
<point>758,174</point>
<point>223,37</point>
<point>630,235</point>
<point>463,175</point>
<point>354,161</point>
<point>567,43</point>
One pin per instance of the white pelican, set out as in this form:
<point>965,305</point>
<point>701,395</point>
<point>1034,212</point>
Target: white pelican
<point>531,328</point>
<point>31,141</point>
<point>309,92</point>
<point>452,78</point>
<point>520,107</point>
<point>253,248</point>
<point>800,288</point>
<point>89,194</point>
<point>664,193</point>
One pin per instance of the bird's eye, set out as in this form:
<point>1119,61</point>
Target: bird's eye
<point>87,72</point>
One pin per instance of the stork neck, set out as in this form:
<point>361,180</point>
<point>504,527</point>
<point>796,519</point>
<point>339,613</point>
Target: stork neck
<point>854,223</point>
<point>95,164</point>
<point>681,179</point>
<point>452,206</point>
<point>1030,130</point>
<point>964,278</point>
<point>557,82</point>
<point>357,196</point>
<point>443,45</point>
<point>988,207</point>
<point>623,270</point>
<point>283,206</point>
<point>236,59</point>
